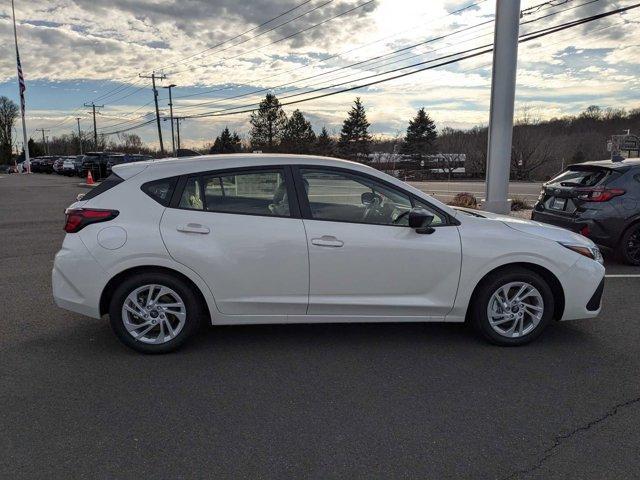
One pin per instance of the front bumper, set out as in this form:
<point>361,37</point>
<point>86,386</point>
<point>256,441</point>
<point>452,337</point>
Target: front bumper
<point>77,279</point>
<point>582,283</point>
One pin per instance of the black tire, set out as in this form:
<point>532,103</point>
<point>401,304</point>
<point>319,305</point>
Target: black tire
<point>629,244</point>
<point>491,284</point>
<point>193,307</point>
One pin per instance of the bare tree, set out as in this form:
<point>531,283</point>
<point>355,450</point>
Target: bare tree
<point>8,115</point>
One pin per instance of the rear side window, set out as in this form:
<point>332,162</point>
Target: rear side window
<point>107,184</point>
<point>582,177</point>
<point>248,193</point>
<point>161,190</point>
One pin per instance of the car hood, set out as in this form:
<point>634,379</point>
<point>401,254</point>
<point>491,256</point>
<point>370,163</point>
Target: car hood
<point>538,229</point>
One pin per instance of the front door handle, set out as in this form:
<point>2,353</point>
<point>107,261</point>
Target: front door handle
<point>193,228</point>
<point>327,241</point>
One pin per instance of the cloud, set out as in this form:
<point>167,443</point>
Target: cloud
<point>103,46</point>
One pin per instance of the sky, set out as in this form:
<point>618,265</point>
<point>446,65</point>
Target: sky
<point>224,55</point>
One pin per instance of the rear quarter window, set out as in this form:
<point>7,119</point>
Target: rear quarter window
<point>161,190</point>
<point>107,184</point>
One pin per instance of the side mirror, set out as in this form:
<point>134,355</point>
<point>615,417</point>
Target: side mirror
<point>420,220</point>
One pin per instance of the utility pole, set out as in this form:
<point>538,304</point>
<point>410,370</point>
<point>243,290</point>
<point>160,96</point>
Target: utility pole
<point>79,134</point>
<point>503,87</point>
<point>45,144</point>
<point>153,78</point>
<point>95,129</point>
<point>173,139</point>
<point>178,119</point>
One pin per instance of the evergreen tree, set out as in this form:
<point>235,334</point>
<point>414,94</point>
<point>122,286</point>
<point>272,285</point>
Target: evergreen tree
<point>227,142</point>
<point>298,136</point>
<point>354,137</point>
<point>421,135</point>
<point>268,124</point>
<point>325,145</point>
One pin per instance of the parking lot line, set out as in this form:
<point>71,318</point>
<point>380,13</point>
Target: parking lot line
<point>623,275</point>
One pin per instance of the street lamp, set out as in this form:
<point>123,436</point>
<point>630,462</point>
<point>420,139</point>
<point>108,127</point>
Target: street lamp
<point>173,139</point>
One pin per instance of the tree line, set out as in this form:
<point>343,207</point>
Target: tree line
<point>273,131</point>
<point>540,148</point>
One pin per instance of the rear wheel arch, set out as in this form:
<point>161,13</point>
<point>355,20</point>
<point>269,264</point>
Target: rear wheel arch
<point>547,275</point>
<point>108,290</point>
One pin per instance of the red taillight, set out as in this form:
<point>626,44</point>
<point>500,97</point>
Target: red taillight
<point>79,218</point>
<point>584,231</point>
<point>599,194</point>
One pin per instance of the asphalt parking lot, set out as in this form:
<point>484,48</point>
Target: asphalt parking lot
<point>296,401</point>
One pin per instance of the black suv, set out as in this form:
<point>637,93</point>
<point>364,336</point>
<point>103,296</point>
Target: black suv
<point>97,163</point>
<point>600,200</point>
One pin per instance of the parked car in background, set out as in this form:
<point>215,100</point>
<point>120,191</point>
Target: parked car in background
<point>118,159</point>
<point>96,162</point>
<point>77,165</point>
<point>36,164</point>
<point>248,239</point>
<point>114,159</point>
<point>68,166</point>
<point>46,164</point>
<point>600,200</point>
<point>57,164</point>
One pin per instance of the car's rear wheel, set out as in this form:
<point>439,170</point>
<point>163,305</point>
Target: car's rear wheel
<point>154,312</point>
<point>512,306</point>
<point>630,245</point>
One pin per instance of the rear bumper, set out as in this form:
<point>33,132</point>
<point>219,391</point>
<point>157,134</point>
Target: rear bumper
<point>77,278</point>
<point>597,233</point>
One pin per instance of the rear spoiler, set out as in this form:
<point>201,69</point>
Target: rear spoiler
<point>128,170</point>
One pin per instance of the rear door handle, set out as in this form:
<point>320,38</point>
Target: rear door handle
<point>327,241</point>
<point>193,228</point>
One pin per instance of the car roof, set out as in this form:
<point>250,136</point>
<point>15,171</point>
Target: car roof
<point>203,163</point>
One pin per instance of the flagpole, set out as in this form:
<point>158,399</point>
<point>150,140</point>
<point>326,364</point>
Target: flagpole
<point>27,161</point>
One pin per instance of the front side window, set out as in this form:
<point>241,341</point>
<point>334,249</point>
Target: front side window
<point>341,196</point>
<point>252,193</point>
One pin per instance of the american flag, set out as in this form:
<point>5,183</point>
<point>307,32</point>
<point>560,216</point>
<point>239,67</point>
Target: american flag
<point>23,86</point>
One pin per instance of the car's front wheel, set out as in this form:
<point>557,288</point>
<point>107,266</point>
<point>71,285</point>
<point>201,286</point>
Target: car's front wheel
<point>512,306</point>
<point>154,312</point>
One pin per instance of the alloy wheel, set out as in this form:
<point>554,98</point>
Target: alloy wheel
<point>515,309</point>
<point>633,246</point>
<point>154,314</point>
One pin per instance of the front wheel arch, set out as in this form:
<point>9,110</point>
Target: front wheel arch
<point>107,292</point>
<point>547,275</point>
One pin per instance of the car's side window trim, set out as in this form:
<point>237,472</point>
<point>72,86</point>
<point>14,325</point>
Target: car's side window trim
<point>305,208</point>
<point>284,170</point>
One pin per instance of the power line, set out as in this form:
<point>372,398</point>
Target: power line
<point>122,88</point>
<point>287,37</point>
<point>249,31</point>
<point>336,55</point>
<point>377,74</point>
<point>399,52</point>
<point>531,36</point>
<point>403,49</point>
<point>464,71</point>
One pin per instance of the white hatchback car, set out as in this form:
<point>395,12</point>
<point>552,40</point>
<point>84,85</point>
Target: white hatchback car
<point>161,246</point>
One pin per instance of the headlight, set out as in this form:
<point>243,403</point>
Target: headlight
<point>590,252</point>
